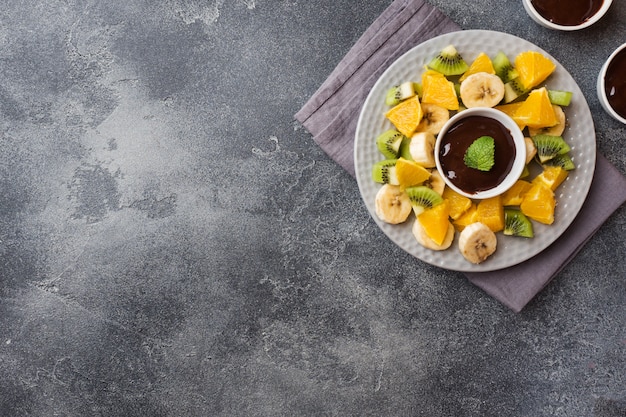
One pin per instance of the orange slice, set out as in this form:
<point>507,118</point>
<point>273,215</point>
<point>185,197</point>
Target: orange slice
<point>536,111</point>
<point>435,222</point>
<point>406,116</point>
<point>470,216</point>
<point>539,203</point>
<point>436,89</point>
<point>458,203</point>
<point>482,63</point>
<point>513,196</point>
<point>533,68</point>
<point>410,173</point>
<point>510,110</point>
<point>490,211</point>
<point>552,176</point>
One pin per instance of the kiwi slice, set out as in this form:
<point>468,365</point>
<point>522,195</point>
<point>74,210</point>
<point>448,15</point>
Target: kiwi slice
<point>549,146</point>
<point>503,67</point>
<point>393,96</point>
<point>563,160</point>
<point>399,93</point>
<point>423,197</point>
<point>388,143</point>
<point>449,62</point>
<point>513,89</point>
<point>419,88</point>
<point>405,148</point>
<point>560,98</point>
<point>517,224</point>
<point>384,172</point>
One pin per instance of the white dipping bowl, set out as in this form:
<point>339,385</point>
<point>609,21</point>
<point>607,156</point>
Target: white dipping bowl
<point>604,101</point>
<point>534,14</point>
<point>520,151</point>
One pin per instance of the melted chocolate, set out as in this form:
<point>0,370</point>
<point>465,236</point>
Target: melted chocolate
<point>456,141</point>
<point>567,12</point>
<point>615,83</point>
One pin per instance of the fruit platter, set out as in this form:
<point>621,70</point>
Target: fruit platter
<point>418,94</point>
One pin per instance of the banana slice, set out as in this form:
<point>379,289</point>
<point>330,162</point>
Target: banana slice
<point>422,149</point>
<point>425,240</point>
<point>477,242</point>
<point>482,90</point>
<point>531,149</point>
<point>434,118</point>
<point>436,182</point>
<point>392,204</point>
<point>557,129</point>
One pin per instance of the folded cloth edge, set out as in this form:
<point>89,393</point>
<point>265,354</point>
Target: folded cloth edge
<point>362,50</point>
<point>330,115</point>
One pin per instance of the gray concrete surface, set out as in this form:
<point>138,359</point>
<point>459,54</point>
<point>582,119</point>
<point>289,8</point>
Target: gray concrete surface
<point>172,243</point>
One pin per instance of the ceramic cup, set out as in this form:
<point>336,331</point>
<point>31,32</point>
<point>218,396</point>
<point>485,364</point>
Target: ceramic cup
<point>519,161</point>
<point>601,84</point>
<point>538,18</point>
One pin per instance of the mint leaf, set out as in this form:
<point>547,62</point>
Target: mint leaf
<point>481,154</point>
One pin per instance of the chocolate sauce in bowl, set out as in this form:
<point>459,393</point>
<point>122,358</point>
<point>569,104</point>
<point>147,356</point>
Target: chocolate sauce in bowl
<point>567,12</point>
<point>615,83</point>
<point>456,141</point>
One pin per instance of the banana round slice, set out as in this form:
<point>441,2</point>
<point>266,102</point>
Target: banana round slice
<point>436,182</point>
<point>557,129</point>
<point>477,242</point>
<point>531,149</point>
<point>392,204</point>
<point>482,90</point>
<point>422,149</point>
<point>425,240</point>
<point>435,116</point>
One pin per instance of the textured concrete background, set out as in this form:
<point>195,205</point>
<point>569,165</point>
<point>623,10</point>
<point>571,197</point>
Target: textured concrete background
<point>172,243</point>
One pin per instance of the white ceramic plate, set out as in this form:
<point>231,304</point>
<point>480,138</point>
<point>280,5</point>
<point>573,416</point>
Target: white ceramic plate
<point>580,134</point>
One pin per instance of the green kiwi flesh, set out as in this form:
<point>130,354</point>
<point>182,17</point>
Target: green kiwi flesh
<point>563,160</point>
<point>517,224</point>
<point>418,89</point>
<point>549,146</point>
<point>560,98</point>
<point>400,92</point>
<point>405,149</point>
<point>503,67</point>
<point>393,96</point>
<point>423,196</point>
<point>513,89</point>
<point>449,62</point>
<point>388,143</point>
<point>384,172</point>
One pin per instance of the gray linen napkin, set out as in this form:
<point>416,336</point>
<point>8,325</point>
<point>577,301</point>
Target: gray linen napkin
<point>331,116</point>
<point>331,113</point>
<point>517,285</point>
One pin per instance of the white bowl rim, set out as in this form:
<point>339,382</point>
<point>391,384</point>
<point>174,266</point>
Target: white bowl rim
<point>520,151</point>
<point>604,101</point>
<point>530,8</point>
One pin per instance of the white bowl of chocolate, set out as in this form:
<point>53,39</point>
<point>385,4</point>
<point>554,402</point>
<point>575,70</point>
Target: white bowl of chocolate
<point>566,15</point>
<point>611,84</point>
<point>480,152</point>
